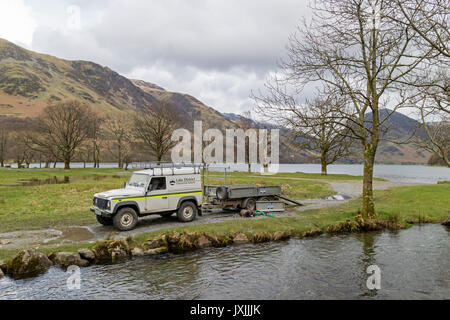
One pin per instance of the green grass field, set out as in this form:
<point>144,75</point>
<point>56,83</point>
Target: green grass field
<point>59,205</point>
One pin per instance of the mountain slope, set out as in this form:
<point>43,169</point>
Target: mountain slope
<point>398,127</point>
<point>29,80</point>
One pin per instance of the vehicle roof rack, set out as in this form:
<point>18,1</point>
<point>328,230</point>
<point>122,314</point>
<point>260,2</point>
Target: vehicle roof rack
<point>167,165</point>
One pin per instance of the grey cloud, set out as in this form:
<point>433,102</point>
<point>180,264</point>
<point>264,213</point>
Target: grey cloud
<point>217,51</point>
<point>206,34</point>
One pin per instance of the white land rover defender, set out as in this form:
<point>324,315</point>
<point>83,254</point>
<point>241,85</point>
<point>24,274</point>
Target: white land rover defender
<point>162,191</point>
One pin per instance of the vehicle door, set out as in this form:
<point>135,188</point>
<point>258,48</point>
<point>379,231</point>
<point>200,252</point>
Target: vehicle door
<point>157,199</point>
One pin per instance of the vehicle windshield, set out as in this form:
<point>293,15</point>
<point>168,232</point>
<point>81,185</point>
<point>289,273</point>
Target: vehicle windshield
<point>139,180</point>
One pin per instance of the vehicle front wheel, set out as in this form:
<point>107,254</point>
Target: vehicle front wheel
<point>126,219</point>
<point>187,212</point>
<point>105,221</point>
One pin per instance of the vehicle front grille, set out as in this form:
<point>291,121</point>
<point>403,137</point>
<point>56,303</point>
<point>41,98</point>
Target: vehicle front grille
<point>101,203</point>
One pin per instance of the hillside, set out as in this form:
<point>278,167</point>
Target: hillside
<point>30,80</point>
<point>398,127</point>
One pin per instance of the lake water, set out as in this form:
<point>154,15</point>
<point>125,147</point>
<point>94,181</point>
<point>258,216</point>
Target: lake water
<point>398,173</point>
<point>414,264</point>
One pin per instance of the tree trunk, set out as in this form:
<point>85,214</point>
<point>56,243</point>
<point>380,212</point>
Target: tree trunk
<point>66,163</point>
<point>368,207</point>
<point>323,161</point>
<point>249,167</point>
<point>119,145</point>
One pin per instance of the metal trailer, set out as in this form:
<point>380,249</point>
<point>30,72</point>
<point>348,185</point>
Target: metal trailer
<point>233,197</point>
<point>239,196</point>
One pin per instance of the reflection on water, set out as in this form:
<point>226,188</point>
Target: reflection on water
<point>414,263</point>
<point>53,180</point>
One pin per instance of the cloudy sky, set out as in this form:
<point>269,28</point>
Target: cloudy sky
<point>215,50</point>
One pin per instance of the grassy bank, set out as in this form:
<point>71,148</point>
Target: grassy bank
<point>401,206</point>
<point>398,207</point>
<point>60,205</point>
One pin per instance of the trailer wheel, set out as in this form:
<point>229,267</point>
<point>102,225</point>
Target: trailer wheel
<point>105,221</point>
<point>126,219</point>
<point>187,212</point>
<point>250,204</point>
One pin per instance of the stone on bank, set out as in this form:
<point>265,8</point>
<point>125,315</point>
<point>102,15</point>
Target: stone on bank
<point>3,266</point>
<point>66,259</point>
<point>87,254</point>
<point>240,238</point>
<point>28,264</point>
<point>111,251</point>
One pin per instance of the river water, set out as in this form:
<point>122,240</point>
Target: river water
<point>414,264</point>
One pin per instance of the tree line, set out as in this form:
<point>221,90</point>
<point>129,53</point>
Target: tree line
<point>71,130</point>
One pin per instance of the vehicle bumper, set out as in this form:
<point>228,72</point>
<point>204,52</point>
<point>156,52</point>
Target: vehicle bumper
<point>100,212</point>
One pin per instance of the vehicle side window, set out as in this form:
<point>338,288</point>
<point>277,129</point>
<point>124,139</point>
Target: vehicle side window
<point>157,184</point>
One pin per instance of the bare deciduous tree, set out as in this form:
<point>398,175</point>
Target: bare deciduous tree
<point>436,124</point>
<point>429,18</point>
<point>4,139</point>
<point>245,123</point>
<point>36,141</point>
<point>64,126</point>
<point>359,50</point>
<point>310,123</point>
<point>119,130</point>
<point>154,126</point>
<point>21,152</point>
<point>96,138</point>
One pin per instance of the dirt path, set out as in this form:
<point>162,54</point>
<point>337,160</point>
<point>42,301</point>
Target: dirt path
<point>41,238</point>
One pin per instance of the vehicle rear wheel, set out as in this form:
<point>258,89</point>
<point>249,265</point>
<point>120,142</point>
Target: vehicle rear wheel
<point>105,221</point>
<point>126,219</point>
<point>187,212</point>
<point>250,204</point>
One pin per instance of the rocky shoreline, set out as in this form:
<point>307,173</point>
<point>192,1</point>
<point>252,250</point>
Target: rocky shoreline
<point>31,263</point>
